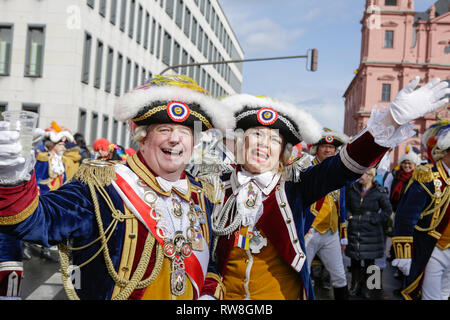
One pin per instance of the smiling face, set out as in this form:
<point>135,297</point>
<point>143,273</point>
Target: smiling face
<point>167,149</point>
<point>407,166</point>
<point>263,147</point>
<point>325,150</point>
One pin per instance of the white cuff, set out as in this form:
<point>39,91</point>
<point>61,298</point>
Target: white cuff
<point>387,136</point>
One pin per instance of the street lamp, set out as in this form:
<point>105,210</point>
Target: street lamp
<point>311,61</point>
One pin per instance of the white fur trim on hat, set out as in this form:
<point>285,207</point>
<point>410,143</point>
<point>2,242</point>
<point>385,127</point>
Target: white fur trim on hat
<point>309,129</point>
<point>58,136</point>
<point>444,142</point>
<point>132,102</point>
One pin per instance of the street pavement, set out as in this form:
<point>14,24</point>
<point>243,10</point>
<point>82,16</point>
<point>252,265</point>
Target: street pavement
<point>42,281</point>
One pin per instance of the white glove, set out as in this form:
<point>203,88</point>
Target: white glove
<point>403,264</point>
<point>14,167</point>
<point>411,103</point>
<point>344,242</point>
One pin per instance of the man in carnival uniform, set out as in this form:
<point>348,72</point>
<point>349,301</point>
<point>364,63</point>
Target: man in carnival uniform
<point>421,229</point>
<point>326,217</point>
<point>136,231</point>
<point>56,165</point>
<point>259,227</point>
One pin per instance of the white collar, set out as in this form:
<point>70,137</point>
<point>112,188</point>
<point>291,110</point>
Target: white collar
<point>181,185</point>
<point>265,181</point>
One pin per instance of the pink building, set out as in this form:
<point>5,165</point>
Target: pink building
<point>397,44</point>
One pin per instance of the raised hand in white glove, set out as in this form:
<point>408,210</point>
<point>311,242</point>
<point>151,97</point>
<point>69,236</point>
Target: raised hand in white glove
<point>15,167</point>
<point>411,103</point>
<point>404,265</point>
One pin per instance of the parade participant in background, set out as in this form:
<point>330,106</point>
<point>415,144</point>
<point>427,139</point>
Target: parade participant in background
<point>401,174</point>
<point>421,229</point>
<point>368,208</point>
<point>56,165</point>
<point>259,223</point>
<point>326,217</point>
<point>140,230</point>
<point>101,149</point>
<point>81,143</point>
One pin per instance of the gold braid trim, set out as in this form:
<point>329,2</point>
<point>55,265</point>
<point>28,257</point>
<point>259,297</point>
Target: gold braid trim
<point>21,216</point>
<point>402,247</point>
<point>423,173</point>
<point>128,285</point>
<point>103,171</point>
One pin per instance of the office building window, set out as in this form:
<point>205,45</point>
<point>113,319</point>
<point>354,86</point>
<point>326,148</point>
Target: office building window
<point>176,53</point>
<point>166,48</point>
<point>91,3</point>
<point>131,21</point>
<point>202,6</point>
<point>213,19</point>
<point>3,107</point>
<point>390,3</point>
<point>98,65</point>
<point>205,46</point>
<point>169,7</point>
<point>35,51</point>
<point>187,21</point>
<point>158,42</point>
<point>109,69</point>
<point>102,8</point>
<point>179,14</point>
<point>86,58</point>
<point>124,134</point>
<point>153,38</point>
<point>123,15</point>
<point>139,24</point>
<point>5,49</point>
<point>184,60</point>
<point>82,115</point>
<point>389,39</point>
<point>105,126</point>
<point>114,131</point>
<point>207,10</point>
<point>191,69</point>
<point>386,92</point>
<point>119,74</point>
<point>194,31</point>
<point>113,12</point>
<point>146,30</point>
<point>143,73</point>
<point>94,126</point>
<point>127,75</point>
<point>136,75</point>
<point>200,39</point>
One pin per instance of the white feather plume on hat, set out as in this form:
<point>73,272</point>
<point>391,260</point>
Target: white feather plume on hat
<point>309,130</point>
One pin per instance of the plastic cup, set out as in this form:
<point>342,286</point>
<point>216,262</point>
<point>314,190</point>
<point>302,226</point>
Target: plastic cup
<point>24,122</point>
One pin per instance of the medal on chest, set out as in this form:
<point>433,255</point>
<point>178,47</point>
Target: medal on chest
<point>177,250</point>
<point>250,203</point>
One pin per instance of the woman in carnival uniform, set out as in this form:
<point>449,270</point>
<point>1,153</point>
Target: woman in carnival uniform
<point>259,224</point>
<point>138,230</point>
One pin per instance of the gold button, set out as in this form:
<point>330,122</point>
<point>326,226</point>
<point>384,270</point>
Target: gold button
<point>246,261</point>
<point>132,236</point>
<point>278,187</point>
<point>125,268</point>
<point>295,240</point>
<point>288,221</point>
<point>283,204</point>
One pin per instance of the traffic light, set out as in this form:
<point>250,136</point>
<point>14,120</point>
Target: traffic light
<point>313,60</point>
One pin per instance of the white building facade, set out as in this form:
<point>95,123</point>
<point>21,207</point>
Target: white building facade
<point>70,60</point>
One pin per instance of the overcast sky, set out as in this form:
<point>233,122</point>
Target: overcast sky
<point>272,28</point>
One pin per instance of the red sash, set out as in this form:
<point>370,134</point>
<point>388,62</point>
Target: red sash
<point>192,265</point>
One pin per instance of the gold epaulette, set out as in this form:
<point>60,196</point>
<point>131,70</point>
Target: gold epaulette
<point>99,172</point>
<point>211,186</point>
<point>402,247</point>
<point>423,173</point>
<point>42,156</point>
